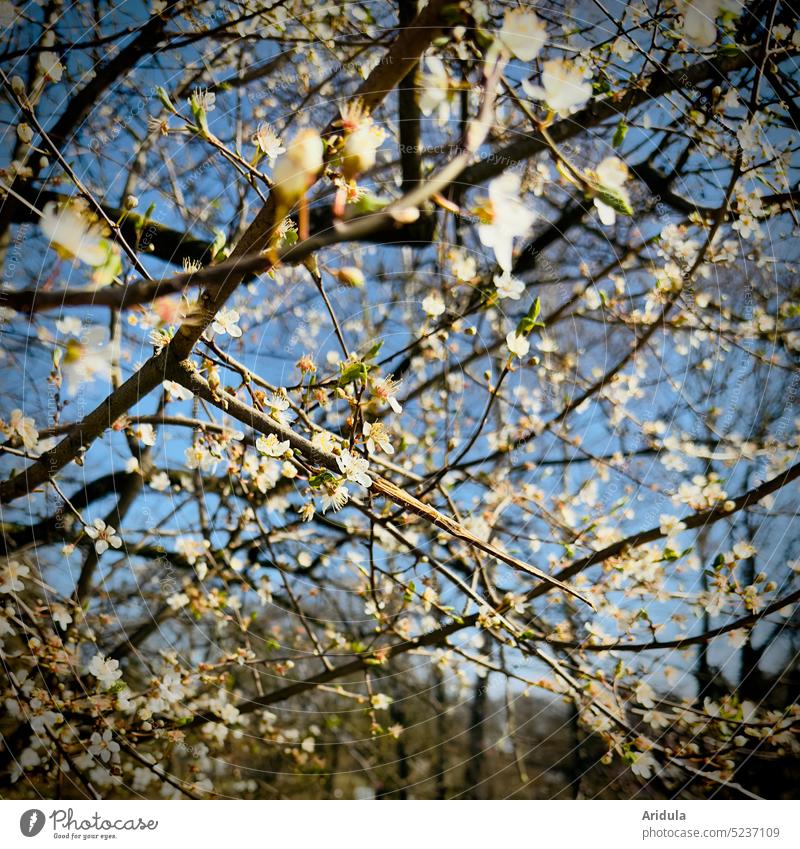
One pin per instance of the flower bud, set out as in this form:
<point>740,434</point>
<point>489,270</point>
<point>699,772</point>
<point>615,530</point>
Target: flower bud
<point>350,276</point>
<point>296,169</point>
<point>359,150</point>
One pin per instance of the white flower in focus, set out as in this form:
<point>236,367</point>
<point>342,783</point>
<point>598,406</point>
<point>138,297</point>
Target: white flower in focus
<point>271,446</point>
<point>103,746</point>
<point>226,322</point>
<point>564,88</point>
<point>278,404</point>
<point>377,438</point>
<point>781,32</point>
<point>107,672</point>
<point>335,497</point>
<point>103,535</point>
<point>199,457</point>
<point>523,34</point>
<point>268,142</point>
<point>385,389</point>
<point>505,217</point>
<point>517,345</point>
<point>354,468</point>
<point>433,305</point>
<point>508,286</point>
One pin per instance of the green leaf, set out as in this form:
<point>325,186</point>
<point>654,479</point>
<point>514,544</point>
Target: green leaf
<point>199,116</point>
<point>365,205</point>
<point>620,133</point>
<point>105,273</point>
<point>353,372</point>
<point>729,51</point>
<point>289,238</point>
<point>531,319</point>
<point>162,95</point>
<point>373,351</point>
<point>320,479</point>
<point>615,198</point>
<point>218,243</point>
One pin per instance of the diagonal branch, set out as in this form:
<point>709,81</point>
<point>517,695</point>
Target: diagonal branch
<point>187,375</point>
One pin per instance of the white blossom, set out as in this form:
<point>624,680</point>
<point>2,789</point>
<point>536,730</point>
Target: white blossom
<point>504,218</point>
<point>225,322</point>
<point>508,286</point>
<point>106,671</point>
<point>103,745</point>
<point>433,305</point>
<point>103,535</point>
<point>271,446</point>
<point>354,468</point>
<point>11,577</point>
<point>517,344</point>
<point>268,142</point>
<point>523,34</point>
<point>564,87</point>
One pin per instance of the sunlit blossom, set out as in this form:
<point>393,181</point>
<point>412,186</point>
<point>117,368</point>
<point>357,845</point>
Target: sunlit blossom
<point>504,218</point>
